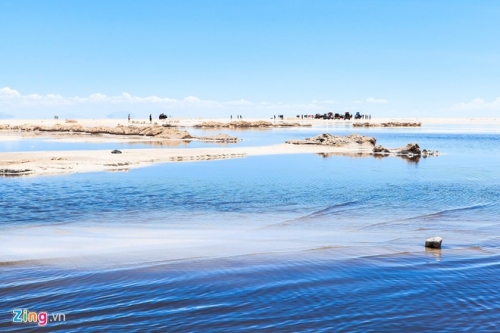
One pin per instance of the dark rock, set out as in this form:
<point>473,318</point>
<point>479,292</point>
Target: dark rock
<point>380,149</point>
<point>116,151</point>
<point>14,172</point>
<point>426,153</point>
<point>410,149</point>
<point>434,242</point>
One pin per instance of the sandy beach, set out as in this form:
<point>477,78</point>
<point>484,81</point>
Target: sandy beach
<point>64,162</point>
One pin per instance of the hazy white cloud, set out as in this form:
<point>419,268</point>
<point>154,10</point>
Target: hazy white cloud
<point>240,102</point>
<point>98,104</point>
<point>328,101</point>
<point>124,98</point>
<point>96,97</point>
<point>477,104</point>
<point>12,96</point>
<point>6,92</point>
<point>191,99</point>
<point>376,100</point>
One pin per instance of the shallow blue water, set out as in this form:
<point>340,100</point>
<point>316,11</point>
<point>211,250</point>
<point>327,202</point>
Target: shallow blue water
<point>257,137</point>
<point>273,243</point>
<point>306,293</point>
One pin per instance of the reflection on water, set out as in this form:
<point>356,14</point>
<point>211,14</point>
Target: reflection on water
<point>92,142</point>
<point>435,254</point>
<point>353,155</point>
<point>163,143</point>
<point>180,143</point>
<point>410,159</point>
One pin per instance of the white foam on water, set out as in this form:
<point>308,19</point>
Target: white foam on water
<point>153,243</point>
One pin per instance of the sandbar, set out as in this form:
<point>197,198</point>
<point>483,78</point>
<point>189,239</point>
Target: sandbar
<point>64,162</point>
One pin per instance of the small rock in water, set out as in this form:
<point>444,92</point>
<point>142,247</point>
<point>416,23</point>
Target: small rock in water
<point>116,151</point>
<point>380,149</point>
<point>434,242</point>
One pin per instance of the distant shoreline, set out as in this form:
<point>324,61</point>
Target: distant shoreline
<point>189,122</point>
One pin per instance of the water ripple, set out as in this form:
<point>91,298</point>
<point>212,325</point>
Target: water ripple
<point>307,293</point>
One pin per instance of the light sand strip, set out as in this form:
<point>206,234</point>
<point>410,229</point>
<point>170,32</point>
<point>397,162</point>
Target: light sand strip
<point>65,162</point>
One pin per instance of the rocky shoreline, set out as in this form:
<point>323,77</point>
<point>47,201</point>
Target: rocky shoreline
<point>411,149</point>
<point>326,139</point>
<point>156,131</point>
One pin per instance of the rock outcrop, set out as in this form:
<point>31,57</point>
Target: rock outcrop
<point>327,139</point>
<point>410,150</point>
<point>161,132</point>
<point>381,150</point>
<point>153,131</point>
<point>60,128</point>
<point>366,145</point>
<point>389,124</point>
<point>246,124</point>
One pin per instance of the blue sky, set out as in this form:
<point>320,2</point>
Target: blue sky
<point>256,58</point>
